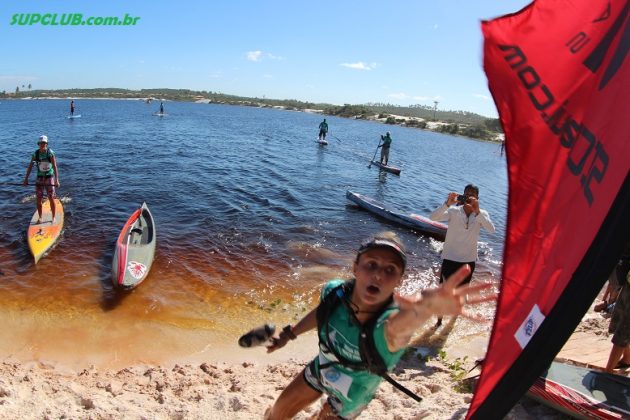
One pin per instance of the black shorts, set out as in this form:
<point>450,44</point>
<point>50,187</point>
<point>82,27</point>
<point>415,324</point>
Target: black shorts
<point>449,267</point>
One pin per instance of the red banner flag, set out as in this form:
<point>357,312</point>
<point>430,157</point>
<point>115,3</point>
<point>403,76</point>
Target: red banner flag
<point>560,77</point>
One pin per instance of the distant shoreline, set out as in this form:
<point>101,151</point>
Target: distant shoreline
<point>383,118</point>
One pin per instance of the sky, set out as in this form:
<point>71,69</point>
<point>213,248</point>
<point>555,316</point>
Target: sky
<point>346,51</point>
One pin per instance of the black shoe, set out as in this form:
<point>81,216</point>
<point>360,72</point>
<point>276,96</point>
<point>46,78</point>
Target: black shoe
<point>257,336</point>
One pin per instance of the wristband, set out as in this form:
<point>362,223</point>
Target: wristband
<point>289,332</point>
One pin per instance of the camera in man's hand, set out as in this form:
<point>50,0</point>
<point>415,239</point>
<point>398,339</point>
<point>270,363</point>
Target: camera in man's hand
<point>462,199</point>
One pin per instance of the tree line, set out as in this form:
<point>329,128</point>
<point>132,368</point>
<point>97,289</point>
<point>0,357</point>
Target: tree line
<point>463,123</point>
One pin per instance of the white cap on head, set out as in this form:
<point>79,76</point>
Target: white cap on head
<point>42,139</point>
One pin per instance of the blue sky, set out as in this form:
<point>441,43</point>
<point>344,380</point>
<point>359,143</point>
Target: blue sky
<point>403,52</point>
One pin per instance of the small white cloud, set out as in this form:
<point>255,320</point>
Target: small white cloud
<point>399,95</point>
<point>254,55</point>
<point>479,95</point>
<point>360,65</point>
<point>435,26</point>
<point>259,55</point>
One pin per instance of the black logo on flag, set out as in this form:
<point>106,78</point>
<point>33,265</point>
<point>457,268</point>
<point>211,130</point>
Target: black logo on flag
<point>587,156</point>
<point>596,58</point>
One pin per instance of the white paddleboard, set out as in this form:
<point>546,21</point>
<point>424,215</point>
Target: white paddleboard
<point>71,117</point>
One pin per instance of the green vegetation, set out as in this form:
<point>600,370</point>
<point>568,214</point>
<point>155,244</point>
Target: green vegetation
<point>418,116</point>
<point>268,306</point>
<point>477,131</point>
<point>349,111</point>
<point>449,128</point>
<point>457,372</point>
<point>456,368</point>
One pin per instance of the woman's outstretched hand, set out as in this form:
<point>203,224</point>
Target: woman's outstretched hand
<point>450,298</point>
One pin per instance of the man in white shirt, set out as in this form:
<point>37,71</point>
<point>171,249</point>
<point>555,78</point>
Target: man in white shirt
<point>465,220</point>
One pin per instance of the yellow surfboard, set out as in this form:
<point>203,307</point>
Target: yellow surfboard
<point>42,236</point>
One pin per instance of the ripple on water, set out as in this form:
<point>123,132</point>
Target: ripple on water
<point>251,219</point>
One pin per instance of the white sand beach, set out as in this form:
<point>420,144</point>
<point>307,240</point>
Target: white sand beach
<point>240,389</point>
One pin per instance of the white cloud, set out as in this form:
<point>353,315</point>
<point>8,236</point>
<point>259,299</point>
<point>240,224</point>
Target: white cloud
<point>479,95</point>
<point>435,26</point>
<point>254,55</point>
<point>259,55</point>
<point>360,65</point>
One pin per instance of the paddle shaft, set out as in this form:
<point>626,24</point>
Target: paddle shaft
<point>31,185</point>
<point>36,184</point>
<point>19,184</point>
<point>374,157</point>
<point>335,137</point>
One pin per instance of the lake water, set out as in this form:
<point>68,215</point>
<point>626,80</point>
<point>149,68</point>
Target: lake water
<point>250,211</point>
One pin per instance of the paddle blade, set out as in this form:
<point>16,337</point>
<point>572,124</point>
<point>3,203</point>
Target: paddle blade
<point>258,336</point>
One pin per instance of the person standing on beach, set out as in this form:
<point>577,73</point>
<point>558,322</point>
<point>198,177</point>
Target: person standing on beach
<point>619,326</point>
<point>615,283</point>
<point>465,220</point>
<point>387,141</point>
<point>47,175</point>
<point>72,107</point>
<point>364,327</point>
<point>323,130</point>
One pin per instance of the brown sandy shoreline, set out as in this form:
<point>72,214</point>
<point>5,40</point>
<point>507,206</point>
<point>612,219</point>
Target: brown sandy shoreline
<point>219,380</point>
